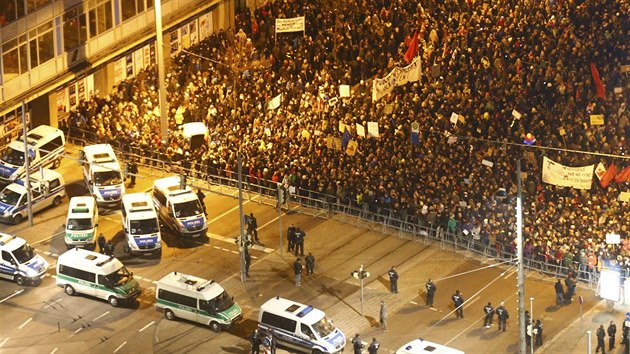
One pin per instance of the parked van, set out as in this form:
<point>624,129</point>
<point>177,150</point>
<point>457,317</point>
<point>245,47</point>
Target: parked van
<point>300,327</point>
<point>45,148</point>
<point>196,133</point>
<point>81,223</point>
<point>179,208</point>
<point>95,274</point>
<point>195,299</point>
<point>140,224</point>
<point>421,346</point>
<point>47,188</point>
<point>18,260</point>
<point>102,174</point>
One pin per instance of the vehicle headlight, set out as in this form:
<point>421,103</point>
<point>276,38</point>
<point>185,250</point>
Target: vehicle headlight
<point>31,272</point>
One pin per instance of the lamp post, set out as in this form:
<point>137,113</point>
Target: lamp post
<point>160,62</point>
<point>531,316</point>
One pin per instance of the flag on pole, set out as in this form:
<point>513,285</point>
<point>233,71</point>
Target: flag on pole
<point>345,139</point>
<point>412,50</point>
<point>611,172</point>
<point>623,176</point>
<point>598,82</point>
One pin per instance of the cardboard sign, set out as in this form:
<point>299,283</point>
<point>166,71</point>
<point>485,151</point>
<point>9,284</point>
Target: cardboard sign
<point>360,130</point>
<point>344,90</point>
<point>454,117</point>
<point>352,147</point>
<point>487,163</point>
<point>373,129</point>
<point>516,114</point>
<point>597,119</point>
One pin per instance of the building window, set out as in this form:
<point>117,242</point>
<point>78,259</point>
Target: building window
<point>131,8</point>
<point>32,5</point>
<point>74,29</point>
<point>11,10</point>
<point>41,44</point>
<point>14,58</point>
<point>101,18</point>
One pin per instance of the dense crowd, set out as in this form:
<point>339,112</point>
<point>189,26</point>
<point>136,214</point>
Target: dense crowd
<point>480,59</point>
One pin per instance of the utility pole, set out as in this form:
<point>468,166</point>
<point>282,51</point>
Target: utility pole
<point>522,347</point>
<point>27,165</point>
<point>241,216</point>
<point>361,274</point>
<point>159,49</point>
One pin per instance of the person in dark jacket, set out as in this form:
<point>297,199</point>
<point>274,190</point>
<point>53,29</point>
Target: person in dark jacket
<point>356,344</point>
<point>612,330</point>
<point>559,293</point>
<point>601,344</point>
<point>393,280</point>
<point>431,289</point>
<point>458,301</point>
<point>502,317</point>
<point>310,264</point>
<point>101,243</point>
<point>488,310</point>
<point>297,270</point>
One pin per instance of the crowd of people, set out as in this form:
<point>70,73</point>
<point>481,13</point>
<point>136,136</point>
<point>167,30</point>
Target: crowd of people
<point>480,59</point>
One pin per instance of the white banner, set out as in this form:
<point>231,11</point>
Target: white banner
<point>275,102</point>
<point>397,77</point>
<point>565,176</point>
<point>295,24</point>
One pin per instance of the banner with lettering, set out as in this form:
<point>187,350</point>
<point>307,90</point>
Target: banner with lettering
<point>397,77</point>
<point>566,176</point>
<point>295,24</point>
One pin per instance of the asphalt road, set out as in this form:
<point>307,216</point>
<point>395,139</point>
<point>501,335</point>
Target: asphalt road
<point>43,319</point>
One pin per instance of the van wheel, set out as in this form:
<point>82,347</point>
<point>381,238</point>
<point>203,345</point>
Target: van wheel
<point>17,219</point>
<point>69,290</point>
<point>127,249</point>
<point>113,300</point>
<point>56,163</point>
<point>215,326</point>
<point>317,351</point>
<point>56,201</point>
<point>19,280</point>
<point>169,315</point>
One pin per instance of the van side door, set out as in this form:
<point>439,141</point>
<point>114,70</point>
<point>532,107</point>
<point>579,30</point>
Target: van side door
<point>8,267</point>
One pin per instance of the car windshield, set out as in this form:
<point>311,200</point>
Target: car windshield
<point>24,253</point>
<point>107,178</point>
<point>186,209</point>
<point>13,157</point>
<point>119,277</point>
<point>143,227</point>
<point>79,224</point>
<point>323,328</point>
<point>7,196</point>
<point>218,304</point>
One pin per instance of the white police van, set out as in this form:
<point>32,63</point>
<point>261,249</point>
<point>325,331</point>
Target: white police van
<point>102,174</point>
<point>47,187</point>
<point>140,224</point>
<point>195,299</point>
<point>421,346</point>
<point>18,260</point>
<point>196,133</point>
<point>300,327</point>
<point>81,223</point>
<point>45,147</point>
<point>179,207</point>
<point>95,274</point>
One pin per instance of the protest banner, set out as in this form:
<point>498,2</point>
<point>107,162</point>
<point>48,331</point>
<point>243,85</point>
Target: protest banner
<point>566,176</point>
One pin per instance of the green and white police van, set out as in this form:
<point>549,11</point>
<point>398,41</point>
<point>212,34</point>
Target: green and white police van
<point>45,147</point>
<point>18,260</point>
<point>102,174</point>
<point>95,274</point>
<point>81,223</point>
<point>140,224</point>
<point>195,299</point>
<point>47,189</point>
<point>179,207</point>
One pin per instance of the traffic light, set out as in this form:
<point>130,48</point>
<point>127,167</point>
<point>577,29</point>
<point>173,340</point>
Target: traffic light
<point>360,274</point>
<point>281,194</point>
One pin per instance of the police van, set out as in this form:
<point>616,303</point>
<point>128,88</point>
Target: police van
<point>102,174</point>
<point>18,260</point>
<point>421,346</point>
<point>45,147</point>
<point>195,299</point>
<point>195,133</point>
<point>300,327</point>
<point>47,189</point>
<point>95,274</point>
<point>140,224</point>
<point>179,207</point>
<point>81,223</point>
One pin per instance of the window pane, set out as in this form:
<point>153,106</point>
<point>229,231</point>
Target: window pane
<point>128,9</point>
<point>10,65</point>
<point>149,4</point>
<point>93,23</point>
<point>82,28</point>
<point>46,47</point>
<point>70,34</point>
<point>33,49</point>
<point>109,19</point>
<point>23,59</point>
<point>140,6</point>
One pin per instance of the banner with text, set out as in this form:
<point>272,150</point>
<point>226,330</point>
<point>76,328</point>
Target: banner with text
<point>565,176</point>
<point>295,24</point>
<point>397,77</point>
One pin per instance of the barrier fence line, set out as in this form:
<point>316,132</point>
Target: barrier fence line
<point>318,204</point>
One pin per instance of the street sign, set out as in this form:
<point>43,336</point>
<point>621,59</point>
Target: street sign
<point>581,300</point>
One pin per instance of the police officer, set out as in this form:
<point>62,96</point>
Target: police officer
<point>291,238</point>
<point>252,227</point>
<point>489,311</point>
<point>299,241</point>
<point>201,196</point>
<point>559,293</point>
<point>101,243</point>
<point>109,248</point>
<point>248,261</point>
<point>356,344</point>
<point>458,301</point>
<point>255,341</point>
<point>373,348</point>
<point>502,316</point>
<point>310,264</point>
<point>538,330</point>
<point>601,344</point>
<point>297,270</point>
<point>431,288</point>
<point>132,169</point>
<point>612,330</point>
<point>393,280</point>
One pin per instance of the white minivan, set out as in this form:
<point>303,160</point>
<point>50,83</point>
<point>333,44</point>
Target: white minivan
<point>102,174</point>
<point>140,224</point>
<point>421,346</point>
<point>18,260</point>
<point>81,223</point>
<point>179,207</point>
<point>45,147</point>
<point>48,188</point>
<point>95,274</point>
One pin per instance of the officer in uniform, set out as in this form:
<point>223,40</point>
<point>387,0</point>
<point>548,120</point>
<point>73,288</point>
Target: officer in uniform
<point>431,288</point>
<point>299,241</point>
<point>373,348</point>
<point>356,344</point>
<point>252,227</point>
<point>612,330</point>
<point>255,341</point>
<point>458,301</point>
<point>502,316</point>
<point>538,330</point>
<point>291,238</point>
<point>132,169</point>
<point>489,311</point>
<point>393,280</point>
<point>601,344</point>
<point>310,264</point>
<point>248,261</point>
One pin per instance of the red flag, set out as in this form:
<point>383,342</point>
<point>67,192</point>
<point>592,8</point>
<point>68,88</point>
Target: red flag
<point>598,82</point>
<point>412,50</point>
<point>623,176</point>
<point>608,176</point>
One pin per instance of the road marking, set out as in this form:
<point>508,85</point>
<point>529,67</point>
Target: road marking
<point>120,346</point>
<point>147,326</point>
<point>138,277</point>
<point>75,332</point>
<point>231,240</point>
<point>225,249</point>
<point>54,351</point>
<point>217,247</point>
<point>12,295</point>
<point>413,302</point>
<point>509,274</point>
<point>154,282</point>
<point>56,302</point>
<point>54,255</point>
<point>101,316</point>
<point>227,212</point>
<point>47,253</point>
<point>25,323</point>
<point>4,342</point>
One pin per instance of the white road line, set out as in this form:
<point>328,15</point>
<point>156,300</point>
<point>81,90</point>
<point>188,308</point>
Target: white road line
<point>120,346</point>
<point>147,326</point>
<point>138,277</point>
<point>54,351</point>
<point>25,323</point>
<point>54,255</point>
<point>101,316</point>
<point>217,247</point>
<point>227,212</point>
<point>4,342</point>
<point>75,332</point>
<point>12,295</point>
<point>509,274</point>
<point>47,253</point>
<point>413,302</point>
<point>235,252</point>
<point>54,276</point>
<point>56,302</point>
<point>225,249</point>
<point>154,282</point>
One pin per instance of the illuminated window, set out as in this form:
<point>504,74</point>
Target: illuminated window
<point>74,28</point>
<point>14,58</point>
<point>41,44</point>
<point>101,18</point>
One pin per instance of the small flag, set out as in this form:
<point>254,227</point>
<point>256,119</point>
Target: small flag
<point>611,172</point>
<point>415,133</point>
<point>412,50</point>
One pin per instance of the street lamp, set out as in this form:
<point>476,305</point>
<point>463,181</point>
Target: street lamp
<point>531,323</point>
